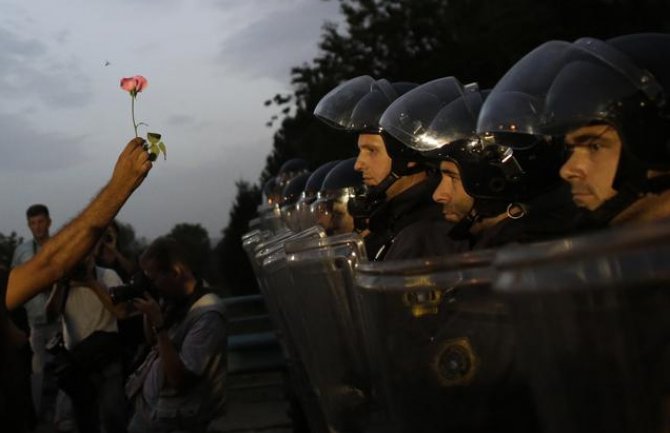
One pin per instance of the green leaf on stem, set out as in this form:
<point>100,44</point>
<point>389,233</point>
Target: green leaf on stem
<point>153,137</point>
<point>163,149</point>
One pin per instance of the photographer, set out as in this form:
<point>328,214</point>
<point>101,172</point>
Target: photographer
<point>90,372</point>
<point>180,385</point>
<point>109,254</point>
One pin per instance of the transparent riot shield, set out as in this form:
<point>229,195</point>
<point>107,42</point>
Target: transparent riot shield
<point>269,218</point>
<point>275,280</point>
<point>255,224</point>
<point>441,346</point>
<point>593,317</point>
<point>271,272</point>
<point>328,338</point>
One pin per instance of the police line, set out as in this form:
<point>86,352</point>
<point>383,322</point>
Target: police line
<point>569,335</point>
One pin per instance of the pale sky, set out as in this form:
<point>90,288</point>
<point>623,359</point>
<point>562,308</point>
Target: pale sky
<point>210,65</point>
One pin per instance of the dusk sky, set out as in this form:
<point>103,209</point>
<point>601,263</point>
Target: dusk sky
<point>210,65</point>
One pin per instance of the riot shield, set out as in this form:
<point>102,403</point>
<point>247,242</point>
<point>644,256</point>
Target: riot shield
<point>275,281</point>
<point>329,343</point>
<point>592,314</point>
<point>441,346</point>
<point>269,218</point>
<point>271,271</point>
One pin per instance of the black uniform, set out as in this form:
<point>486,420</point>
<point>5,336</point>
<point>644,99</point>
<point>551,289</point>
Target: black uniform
<point>550,216</point>
<point>413,206</point>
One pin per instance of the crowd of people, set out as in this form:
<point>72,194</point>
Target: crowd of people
<point>99,341</point>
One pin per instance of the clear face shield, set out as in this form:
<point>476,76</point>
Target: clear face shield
<point>356,105</point>
<point>560,86</point>
<point>303,209</point>
<point>330,211</point>
<point>411,118</point>
<point>290,217</point>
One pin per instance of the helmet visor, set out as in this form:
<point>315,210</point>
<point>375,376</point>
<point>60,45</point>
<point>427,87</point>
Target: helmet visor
<point>410,119</point>
<point>356,105</point>
<point>516,102</point>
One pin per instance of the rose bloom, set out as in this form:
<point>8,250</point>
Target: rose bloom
<point>134,84</point>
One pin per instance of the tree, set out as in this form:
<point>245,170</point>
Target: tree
<point>129,245</point>
<point>236,271</point>
<point>7,246</point>
<point>194,240</point>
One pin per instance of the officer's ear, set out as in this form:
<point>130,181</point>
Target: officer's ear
<point>411,164</point>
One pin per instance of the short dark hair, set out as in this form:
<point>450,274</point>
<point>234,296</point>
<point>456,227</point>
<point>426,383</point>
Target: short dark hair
<point>166,252</point>
<point>37,209</point>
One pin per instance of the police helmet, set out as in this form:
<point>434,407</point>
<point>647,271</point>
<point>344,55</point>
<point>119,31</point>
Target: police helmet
<point>357,105</point>
<point>290,195</point>
<point>289,169</point>
<point>338,187</point>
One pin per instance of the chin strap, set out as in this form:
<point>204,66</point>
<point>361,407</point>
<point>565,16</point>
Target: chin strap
<point>461,230</point>
<point>367,200</point>
<point>486,209</point>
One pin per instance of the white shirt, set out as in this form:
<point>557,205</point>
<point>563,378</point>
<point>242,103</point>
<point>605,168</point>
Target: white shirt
<point>35,307</point>
<point>85,313</point>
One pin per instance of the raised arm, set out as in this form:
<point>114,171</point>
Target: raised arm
<point>67,248</point>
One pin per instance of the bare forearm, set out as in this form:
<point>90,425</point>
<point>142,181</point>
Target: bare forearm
<point>69,246</point>
<point>63,251</point>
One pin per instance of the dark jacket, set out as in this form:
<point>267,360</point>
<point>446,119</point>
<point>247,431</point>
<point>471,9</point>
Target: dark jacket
<point>552,215</point>
<point>412,205</point>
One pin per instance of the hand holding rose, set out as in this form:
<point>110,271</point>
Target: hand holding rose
<point>135,85</point>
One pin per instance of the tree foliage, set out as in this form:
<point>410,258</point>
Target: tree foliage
<point>236,272</point>
<point>129,245</point>
<point>7,246</point>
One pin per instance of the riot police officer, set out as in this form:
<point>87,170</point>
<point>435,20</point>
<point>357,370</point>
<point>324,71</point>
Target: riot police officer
<point>398,188</point>
<point>608,100</point>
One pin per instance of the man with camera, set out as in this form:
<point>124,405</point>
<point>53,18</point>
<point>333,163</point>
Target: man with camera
<point>180,384</point>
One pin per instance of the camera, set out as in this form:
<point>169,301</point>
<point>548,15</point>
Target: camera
<point>135,288</point>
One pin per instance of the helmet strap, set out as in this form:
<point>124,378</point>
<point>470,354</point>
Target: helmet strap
<point>461,230</point>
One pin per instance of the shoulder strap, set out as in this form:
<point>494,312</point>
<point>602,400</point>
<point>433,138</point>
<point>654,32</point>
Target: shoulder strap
<point>207,303</point>
<point>66,291</point>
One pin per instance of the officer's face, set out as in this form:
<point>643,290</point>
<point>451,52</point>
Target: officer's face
<point>342,221</point>
<point>39,226</point>
<point>592,165</point>
<point>373,162</point>
<point>456,203</point>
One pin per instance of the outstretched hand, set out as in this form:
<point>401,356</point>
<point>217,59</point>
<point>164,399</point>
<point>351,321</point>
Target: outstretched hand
<point>133,165</point>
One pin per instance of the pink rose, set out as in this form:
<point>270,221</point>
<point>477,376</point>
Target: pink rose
<point>135,84</point>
